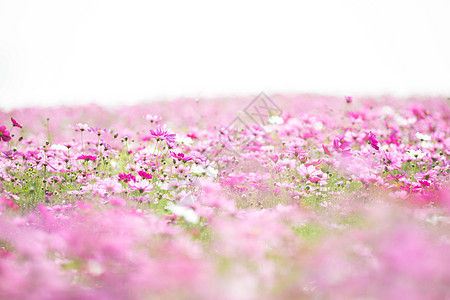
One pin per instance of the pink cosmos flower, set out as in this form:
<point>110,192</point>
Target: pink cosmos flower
<point>69,145</point>
<point>4,134</point>
<point>371,178</point>
<point>8,203</point>
<point>152,118</point>
<point>97,130</point>
<point>392,139</point>
<point>348,99</point>
<point>340,146</point>
<point>180,156</point>
<point>308,172</point>
<point>144,174</point>
<point>372,140</point>
<point>395,177</point>
<point>274,158</point>
<point>392,160</point>
<point>326,150</point>
<point>87,157</point>
<point>424,183</point>
<point>163,134</point>
<point>296,150</point>
<point>141,186</point>
<point>107,186</point>
<point>117,201</point>
<point>313,163</point>
<point>15,123</point>
<point>9,154</point>
<point>127,177</point>
<point>429,176</point>
<point>81,127</point>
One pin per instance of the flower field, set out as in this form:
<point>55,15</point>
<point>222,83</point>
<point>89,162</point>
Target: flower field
<point>288,197</point>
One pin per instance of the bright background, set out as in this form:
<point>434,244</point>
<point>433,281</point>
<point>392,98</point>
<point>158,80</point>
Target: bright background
<point>114,52</point>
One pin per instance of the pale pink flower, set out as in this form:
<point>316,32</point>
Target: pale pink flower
<point>107,186</point>
<point>152,118</point>
<point>308,172</point>
<point>142,186</point>
<point>162,133</point>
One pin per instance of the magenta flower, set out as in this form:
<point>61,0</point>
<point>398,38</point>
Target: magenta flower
<point>326,150</point>
<point>9,204</point>
<point>373,142</point>
<point>274,158</point>
<point>424,183</point>
<point>348,99</point>
<point>180,156</point>
<point>4,134</point>
<point>341,146</point>
<point>144,174</point>
<point>87,157</point>
<point>127,177</point>
<point>15,123</point>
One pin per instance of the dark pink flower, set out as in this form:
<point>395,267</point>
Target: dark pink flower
<point>144,174</point>
<point>9,203</point>
<point>15,123</point>
<point>127,177</point>
<point>314,163</point>
<point>274,158</point>
<point>395,177</point>
<point>180,156</point>
<point>424,183</point>
<point>348,99</point>
<point>87,157</point>
<point>372,140</point>
<point>341,146</point>
<point>4,134</point>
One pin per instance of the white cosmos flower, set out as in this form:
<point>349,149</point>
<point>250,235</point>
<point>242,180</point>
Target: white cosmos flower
<point>423,137</point>
<point>184,140</point>
<point>404,122</point>
<point>211,172</point>
<point>426,144</point>
<point>387,110</point>
<point>318,126</point>
<point>196,169</point>
<point>58,147</point>
<point>187,213</point>
<point>415,154</point>
<point>276,120</point>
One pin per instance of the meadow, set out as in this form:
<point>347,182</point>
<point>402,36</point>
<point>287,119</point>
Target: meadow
<point>287,197</point>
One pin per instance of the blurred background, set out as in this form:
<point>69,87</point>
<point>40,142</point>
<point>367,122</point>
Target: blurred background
<point>56,52</point>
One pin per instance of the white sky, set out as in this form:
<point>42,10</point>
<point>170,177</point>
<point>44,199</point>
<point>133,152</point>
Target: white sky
<point>111,52</point>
